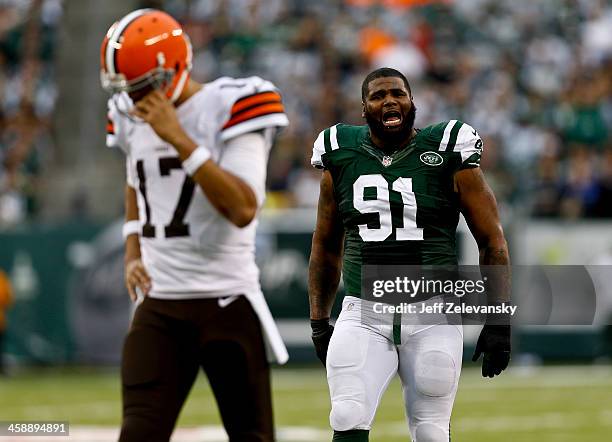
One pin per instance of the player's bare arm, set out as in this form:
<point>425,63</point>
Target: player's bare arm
<point>326,255</point>
<point>135,272</point>
<point>479,208</point>
<point>230,195</point>
<point>325,266</point>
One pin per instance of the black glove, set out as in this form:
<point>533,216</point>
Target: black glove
<point>321,334</point>
<point>494,342</point>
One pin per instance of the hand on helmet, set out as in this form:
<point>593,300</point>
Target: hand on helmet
<point>157,110</point>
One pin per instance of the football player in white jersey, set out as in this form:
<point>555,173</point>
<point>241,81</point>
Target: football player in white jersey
<point>196,159</point>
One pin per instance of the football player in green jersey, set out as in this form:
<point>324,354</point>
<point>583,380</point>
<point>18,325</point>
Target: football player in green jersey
<point>392,194</point>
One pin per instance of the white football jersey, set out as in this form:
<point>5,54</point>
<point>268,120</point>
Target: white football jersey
<point>188,248</point>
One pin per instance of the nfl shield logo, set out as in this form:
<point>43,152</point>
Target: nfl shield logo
<point>386,161</point>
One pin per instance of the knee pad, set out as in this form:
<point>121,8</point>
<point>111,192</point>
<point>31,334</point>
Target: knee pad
<point>429,432</point>
<point>348,402</point>
<point>435,374</point>
<point>347,414</point>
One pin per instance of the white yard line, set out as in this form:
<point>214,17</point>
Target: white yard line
<point>207,433</point>
<point>548,421</point>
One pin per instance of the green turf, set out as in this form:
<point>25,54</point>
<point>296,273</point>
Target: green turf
<point>544,404</point>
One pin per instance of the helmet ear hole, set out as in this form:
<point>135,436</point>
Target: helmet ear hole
<point>177,66</point>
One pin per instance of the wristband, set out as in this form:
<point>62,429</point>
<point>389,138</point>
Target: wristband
<point>501,316</point>
<point>319,326</point>
<point>198,157</point>
<point>130,228</point>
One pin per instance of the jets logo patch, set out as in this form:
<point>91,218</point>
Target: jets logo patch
<point>431,158</point>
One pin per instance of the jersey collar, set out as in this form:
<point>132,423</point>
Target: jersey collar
<point>384,157</point>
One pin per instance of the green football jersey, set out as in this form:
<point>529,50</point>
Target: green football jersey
<point>399,208</point>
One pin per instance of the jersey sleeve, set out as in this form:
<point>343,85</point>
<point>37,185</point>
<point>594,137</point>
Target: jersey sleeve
<point>115,128</point>
<point>324,143</point>
<point>318,149</point>
<point>130,177</point>
<point>461,138</point>
<point>470,146</point>
<point>249,105</point>
<point>246,156</point>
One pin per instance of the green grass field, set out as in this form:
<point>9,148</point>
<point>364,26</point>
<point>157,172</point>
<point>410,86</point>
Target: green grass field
<point>536,404</point>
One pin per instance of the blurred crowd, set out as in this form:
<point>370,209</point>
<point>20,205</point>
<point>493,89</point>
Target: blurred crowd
<point>533,77</point>
<point>28,93</point>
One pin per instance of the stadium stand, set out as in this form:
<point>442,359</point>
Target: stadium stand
<point>534,78</point>
<point>28,95</point>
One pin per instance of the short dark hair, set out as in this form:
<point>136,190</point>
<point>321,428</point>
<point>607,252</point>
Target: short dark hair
<point>381,73</point>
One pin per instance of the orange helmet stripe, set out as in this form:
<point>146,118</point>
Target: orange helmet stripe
<point>113,41</point>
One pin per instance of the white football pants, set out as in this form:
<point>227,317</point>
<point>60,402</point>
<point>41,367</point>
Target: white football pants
<point>362,359</point>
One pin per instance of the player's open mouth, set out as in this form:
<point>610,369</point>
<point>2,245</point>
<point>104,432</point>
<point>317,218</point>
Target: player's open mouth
<point>392,119</point>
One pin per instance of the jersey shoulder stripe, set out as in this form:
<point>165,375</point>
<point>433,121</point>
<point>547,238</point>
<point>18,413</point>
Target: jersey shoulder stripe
<point>454,137</point>
<point>250,101</point>
<point>339,136</point>
<point>449,137</point>
<point>110,126</point>
<point>333,137</point>
<point>252,106</point>
<point>326,141</point>
<point>459,137</point>
<point>321,146</point>
<point>469,144</point>
<point>245,105</point>
<point>318,149</point>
